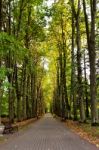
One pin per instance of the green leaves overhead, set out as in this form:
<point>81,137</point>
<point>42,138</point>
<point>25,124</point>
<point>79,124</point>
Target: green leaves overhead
<point>10,44</point>
<point>36,2</point>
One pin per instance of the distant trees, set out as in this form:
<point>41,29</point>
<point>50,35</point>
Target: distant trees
<point>59,33</point>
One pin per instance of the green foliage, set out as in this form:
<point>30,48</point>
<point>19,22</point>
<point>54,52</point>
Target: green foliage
<point>4,106</point>
<point>3,72</point>
<point>10,44</point>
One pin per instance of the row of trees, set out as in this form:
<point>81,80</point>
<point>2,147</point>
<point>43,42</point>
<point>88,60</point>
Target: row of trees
<point>27,41</point>
<point>74,27</point>
<point>21,67</point>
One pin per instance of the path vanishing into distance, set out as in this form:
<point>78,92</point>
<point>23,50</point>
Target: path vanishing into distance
<point>47,134</point>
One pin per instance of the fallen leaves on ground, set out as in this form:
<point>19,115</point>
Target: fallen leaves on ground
<point>25,122</point>
<point>85,130</point>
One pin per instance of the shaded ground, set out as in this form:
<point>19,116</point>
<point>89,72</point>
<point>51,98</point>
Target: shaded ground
<point>47,134</point>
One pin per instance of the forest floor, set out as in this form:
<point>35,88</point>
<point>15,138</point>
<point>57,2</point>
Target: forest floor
<point>85,130</point>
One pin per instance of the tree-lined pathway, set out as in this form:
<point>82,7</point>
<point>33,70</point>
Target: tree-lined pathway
<point>47,134</point>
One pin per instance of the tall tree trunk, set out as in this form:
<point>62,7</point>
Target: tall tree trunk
<point>86,90</point>
<point>28,114</point>
<point>20,17</point>
<point>92,55</point>
<point>61,86</point>
<point>24,90</point>
<point>18,94</point>
<point>73,82</point>
<point>80,88</point>
<point>33,93</point>
<point>16,68</point>
<point>10,74</point>
<point>58,89</point>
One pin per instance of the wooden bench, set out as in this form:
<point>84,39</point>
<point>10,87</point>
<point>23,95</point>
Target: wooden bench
<point>9,128</point>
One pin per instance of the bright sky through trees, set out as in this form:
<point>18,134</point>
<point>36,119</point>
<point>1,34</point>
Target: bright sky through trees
<point>50,2</point>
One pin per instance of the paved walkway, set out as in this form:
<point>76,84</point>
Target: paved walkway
<point>47,134</point>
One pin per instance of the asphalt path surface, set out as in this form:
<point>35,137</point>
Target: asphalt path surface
<point>47,134</point>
